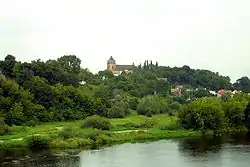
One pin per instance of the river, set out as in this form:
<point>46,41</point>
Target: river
<point>230,151</point>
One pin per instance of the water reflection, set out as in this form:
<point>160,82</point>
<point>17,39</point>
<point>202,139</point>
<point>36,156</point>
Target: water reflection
<point>42,158</point>
<point>200,146</point>
<point>227,151</point>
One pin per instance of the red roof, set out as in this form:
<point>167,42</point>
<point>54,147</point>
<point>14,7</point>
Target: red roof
<point>223,91</point>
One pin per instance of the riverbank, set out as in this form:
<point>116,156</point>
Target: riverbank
<point>70,135</point>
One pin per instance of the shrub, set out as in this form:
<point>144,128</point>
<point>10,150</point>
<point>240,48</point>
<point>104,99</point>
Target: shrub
<point>92,134</point>
<point>119,107</point>
<point>79,142</point>
<point>170,126</point>
<point>97,122</point>
<point>147,123</point>
<point>4,129</point>
<point>59,143</point>
<point>38,142</point>
<point>174,108</point>
<point>203,114</point>
<point>234,112</point>
<point>66,133</point>
<point>115,112</point>
<point>152,104</point>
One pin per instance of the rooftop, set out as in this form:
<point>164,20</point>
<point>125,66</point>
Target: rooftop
<point>124,67</point>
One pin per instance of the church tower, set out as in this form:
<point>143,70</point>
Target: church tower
<point>111,66</point>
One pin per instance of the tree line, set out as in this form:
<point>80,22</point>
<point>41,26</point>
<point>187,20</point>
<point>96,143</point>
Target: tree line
<point>61,90</point>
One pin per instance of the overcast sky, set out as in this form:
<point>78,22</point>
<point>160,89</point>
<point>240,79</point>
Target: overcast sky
<point>208,34</point>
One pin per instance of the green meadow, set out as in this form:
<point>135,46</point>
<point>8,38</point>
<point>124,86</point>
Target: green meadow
<point>71,135</point>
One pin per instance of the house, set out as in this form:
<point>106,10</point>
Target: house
<point>118,69</point>
<point>213,92</point>
<point>176,91</point>
<point>82,82</point>
<point>222,91</point>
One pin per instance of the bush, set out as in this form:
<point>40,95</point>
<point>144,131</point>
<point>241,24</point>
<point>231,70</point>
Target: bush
<point>203,114</point>
<point>234,112</point>
<point>92,134</point>
<point>119,107</point>
<point>147,123</point>
<point>97,122</point>
<point>38,142</point>
<point>170,126</point>
<point>66,133</point>
<point>174,108</point>
<point>80,142</point>
<point>152,104</point>
<point>116,112</point>
<point>4,129</point>
<point>59,143</point>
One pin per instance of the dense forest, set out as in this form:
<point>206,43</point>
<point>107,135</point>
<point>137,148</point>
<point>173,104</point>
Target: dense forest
<point>61,90</point>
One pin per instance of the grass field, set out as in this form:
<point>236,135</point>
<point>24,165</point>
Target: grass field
<point>130,129</point>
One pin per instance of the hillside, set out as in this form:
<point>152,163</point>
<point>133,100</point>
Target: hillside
<point>61,90</point>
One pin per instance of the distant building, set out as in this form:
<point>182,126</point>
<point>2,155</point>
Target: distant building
<point>163,79</point>
<point>118,69</point>
<point>213,93</point>
<point>177,91</point>
<point>82,82</point>
<point>222,91</point>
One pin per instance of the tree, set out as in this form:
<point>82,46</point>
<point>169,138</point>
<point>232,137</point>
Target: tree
<point>201,93</point>
<point>8,65</point>
<point>243,84</point>
<point>247,115</point>
<point>152,104</point>
<point>70,63</point>
<point>234,112</point>
<point>203,114</point>
<point>4,129</point>
<point>41,90</point>
<point>119,107</point>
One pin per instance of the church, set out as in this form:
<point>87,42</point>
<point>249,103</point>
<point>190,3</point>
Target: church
<point>118,69</point>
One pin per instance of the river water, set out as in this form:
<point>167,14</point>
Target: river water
<point>233,151</point>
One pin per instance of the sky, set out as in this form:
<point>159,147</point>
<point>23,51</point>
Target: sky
<point>204,34</point>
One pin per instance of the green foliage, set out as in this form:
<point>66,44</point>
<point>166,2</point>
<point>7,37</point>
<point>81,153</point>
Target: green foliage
<point>152,105</point>
<point>146,123</point>
<point>119,107</point>
<point>201,93</point>
<point>170,126</point>
<point>226,97</point>
<point>17,129</point>
<point>234,112</point>
<point>60,90</point>
<point>66,133</point>
<point>4,129</point>
<point>203,114</point>
<point>97,122</point>
<point>38,142</point>
<point>247,116</point>
<point>174,108</point>
<point>116,112</point>
<point>243,84</point>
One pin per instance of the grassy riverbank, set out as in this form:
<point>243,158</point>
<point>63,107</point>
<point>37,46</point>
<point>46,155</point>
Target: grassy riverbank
<point>70,134</point>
